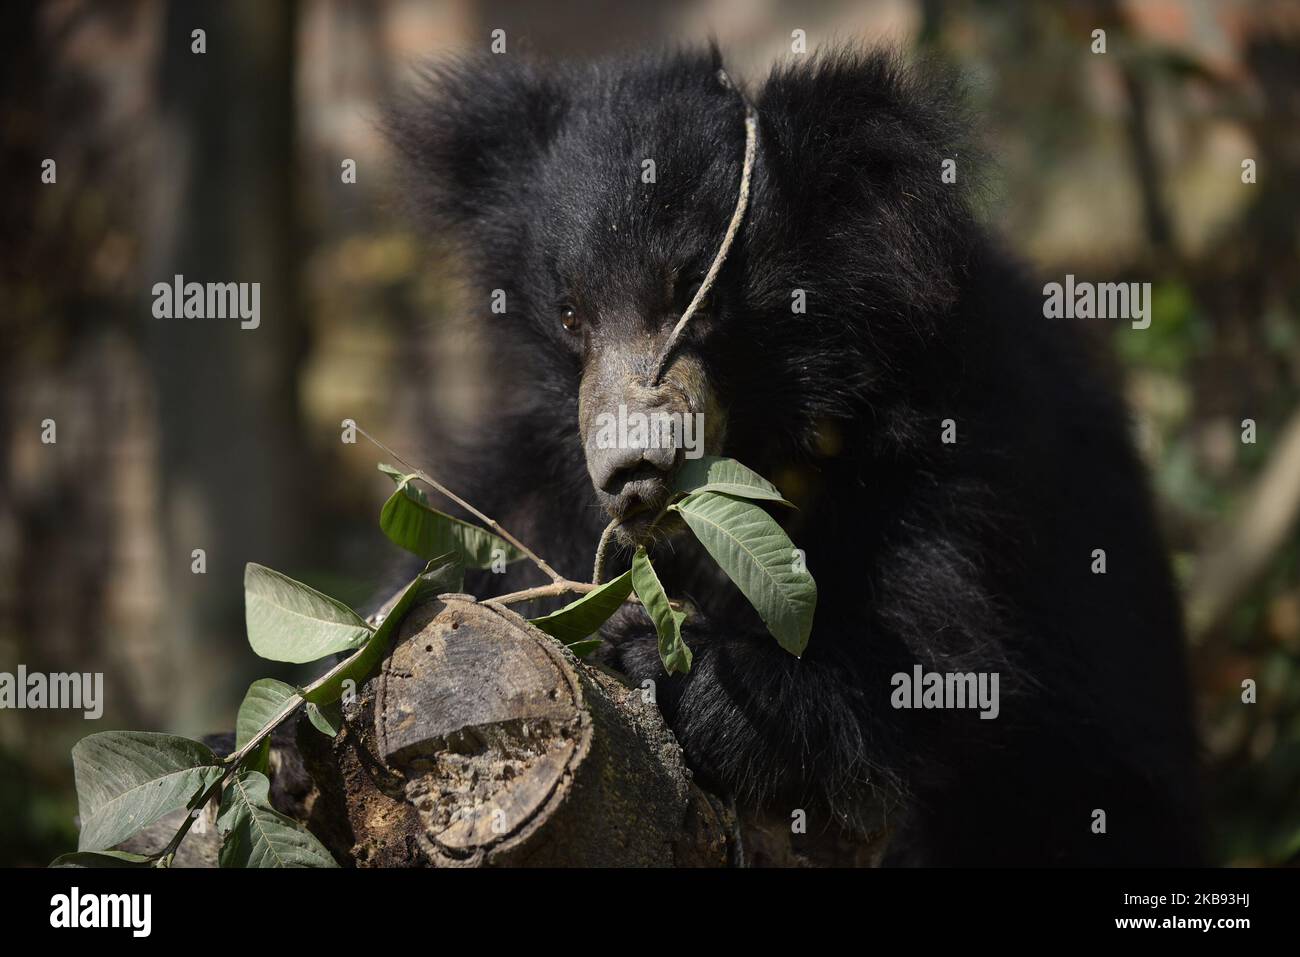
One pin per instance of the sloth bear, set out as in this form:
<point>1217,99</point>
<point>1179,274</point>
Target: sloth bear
<point>968,496</point>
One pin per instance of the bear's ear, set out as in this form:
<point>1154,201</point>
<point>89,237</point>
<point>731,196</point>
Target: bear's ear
<point>470,133</point>
<point>853,146</point>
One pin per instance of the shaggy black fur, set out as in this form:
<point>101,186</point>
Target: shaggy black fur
<point>968,557</point>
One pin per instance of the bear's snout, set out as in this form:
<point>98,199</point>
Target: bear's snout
<point>634,448</point>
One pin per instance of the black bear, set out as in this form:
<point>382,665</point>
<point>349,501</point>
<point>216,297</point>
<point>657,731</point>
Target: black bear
<point>968,496</point>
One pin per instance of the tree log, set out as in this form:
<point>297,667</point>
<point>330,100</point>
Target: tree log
<point>483,742</point>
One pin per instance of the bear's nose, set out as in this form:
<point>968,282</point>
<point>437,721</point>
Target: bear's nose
<point>614,469</point>
<point>634,435</point>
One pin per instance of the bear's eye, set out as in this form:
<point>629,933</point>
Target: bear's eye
<point>569,316</point>
<point>688,294</point>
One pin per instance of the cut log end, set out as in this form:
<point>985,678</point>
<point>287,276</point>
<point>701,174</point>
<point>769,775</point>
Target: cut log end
<point>483,742</point>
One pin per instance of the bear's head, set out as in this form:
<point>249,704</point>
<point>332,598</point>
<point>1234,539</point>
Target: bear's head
<point>591,199</point>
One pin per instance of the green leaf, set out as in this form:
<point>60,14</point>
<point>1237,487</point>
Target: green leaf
<point>668,624</point>
<point>396,474</point>
<point>581,618</point>
<point>126,780</point>
<point>254,834</point>
<point>288,621</point>
<point>260,759</point>
<point>442,577</point>
<point>327,718</point>
<point>102,859</point>
<point>584,648</point>
<point>709,473</point>
<point>265,700</point>
<point>429,583</point>
<point>409,521</point>
<point>759,557</point>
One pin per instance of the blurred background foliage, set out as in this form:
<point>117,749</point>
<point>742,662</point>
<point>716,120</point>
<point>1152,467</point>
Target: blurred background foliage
<point>226,165</point>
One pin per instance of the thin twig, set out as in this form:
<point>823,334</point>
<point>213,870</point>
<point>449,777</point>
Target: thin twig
<point>233,761</point>
<point>293,704</point>
<point>491,523</point>
<point>602,549</point>
<point>607,539</point>
<point>552,590</point>
<point>168,853</point>
<point>742,201</point>
<point>556,589</point>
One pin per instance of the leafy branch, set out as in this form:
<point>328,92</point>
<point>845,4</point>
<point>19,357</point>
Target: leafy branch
<point>127,780</point>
